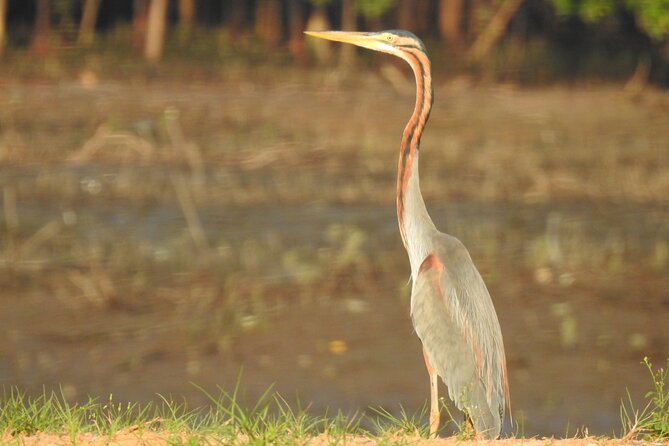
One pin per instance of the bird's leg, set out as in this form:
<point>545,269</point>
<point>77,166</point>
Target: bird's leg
<point>434,404</point>
<point>434,396</point>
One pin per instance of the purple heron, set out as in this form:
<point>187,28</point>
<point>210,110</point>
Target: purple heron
<point>451,309</point>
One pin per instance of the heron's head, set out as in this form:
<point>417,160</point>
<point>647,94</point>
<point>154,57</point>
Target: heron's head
<point>396,42</point>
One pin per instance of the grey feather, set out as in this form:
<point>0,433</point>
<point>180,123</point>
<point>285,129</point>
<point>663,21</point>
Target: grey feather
<point>454,317</point>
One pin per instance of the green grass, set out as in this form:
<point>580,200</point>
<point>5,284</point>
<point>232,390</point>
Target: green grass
<point>651,422</point>
<point>51,412</point>
<point>388,425</point>
<point>269,420</point>
<point>227,420</point>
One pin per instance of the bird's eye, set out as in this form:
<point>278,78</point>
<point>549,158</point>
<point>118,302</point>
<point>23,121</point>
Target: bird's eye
<point>389,37</point>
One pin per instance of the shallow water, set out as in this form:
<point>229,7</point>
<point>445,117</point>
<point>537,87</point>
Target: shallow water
<point>313,298</point>
<point>291,267</point>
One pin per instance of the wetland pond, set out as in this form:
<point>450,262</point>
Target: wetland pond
<point>144,278</point>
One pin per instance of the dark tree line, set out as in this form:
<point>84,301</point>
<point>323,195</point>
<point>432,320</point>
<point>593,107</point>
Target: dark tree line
<point>469,29</point>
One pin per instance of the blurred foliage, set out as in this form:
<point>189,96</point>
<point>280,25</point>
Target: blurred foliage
<point>320,3</point>
<point>652,15</point>
<point>374,8</point>
<point>63,8</point>
<point>589,10</point>
<point>368,8</point>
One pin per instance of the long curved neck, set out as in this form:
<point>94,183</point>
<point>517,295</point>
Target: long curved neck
<point>414,221</point>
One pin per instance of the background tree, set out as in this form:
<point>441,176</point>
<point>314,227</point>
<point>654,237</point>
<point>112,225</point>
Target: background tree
<point>470,30</point>
<point>3,25</point>
<point>40,44</point>
<point>268,22</point>
<point>372,10</point>
<point>349,22</point>
<point>651,17</point>
<point>494,30</point>
<point>140,18</point>
<point>450,23</point>
<point>318,21</point>
<point>406,15</point>
<point>155,31</point>
<point>186,14</point>
<point>63,14</point>
<point>88,19</point>
<point>236,16</point>
<point>296,26</point>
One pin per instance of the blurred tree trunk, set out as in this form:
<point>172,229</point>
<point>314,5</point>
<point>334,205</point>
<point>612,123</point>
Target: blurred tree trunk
<point>348,23</point>
<point>639,79</point>
<point>140,14</point>
<point>268,22</point>
<point>3,25</point>
<point>318,21</point>
<point>422,16</point>
<point>40,43</point>
<point>155,30</point>
<point>374,23</point>
<point>87,26</point>
<point>295,31</point>
<point>406,15</point>
<point>450,23</point>
<point>476,11</point>
<point>494,31</point>
<point>66,26</point>
<point>237,17</point>
<point>186,14</point>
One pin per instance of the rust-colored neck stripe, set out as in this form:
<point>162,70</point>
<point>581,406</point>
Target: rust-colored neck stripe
<point>413,131</point>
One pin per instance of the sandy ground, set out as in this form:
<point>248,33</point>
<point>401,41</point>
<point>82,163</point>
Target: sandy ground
<point>130,437</point>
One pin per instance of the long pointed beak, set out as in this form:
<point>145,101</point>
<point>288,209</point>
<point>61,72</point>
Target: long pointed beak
<point>365,40</point>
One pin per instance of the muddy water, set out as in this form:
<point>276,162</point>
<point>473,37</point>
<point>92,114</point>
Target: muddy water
<point>313,299</point>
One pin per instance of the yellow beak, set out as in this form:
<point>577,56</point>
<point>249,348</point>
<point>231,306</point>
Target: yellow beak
<point>365,40</point>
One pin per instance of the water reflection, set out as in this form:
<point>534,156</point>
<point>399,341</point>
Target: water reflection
<point>108,295</point>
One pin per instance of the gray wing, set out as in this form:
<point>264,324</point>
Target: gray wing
<point>454,317</point>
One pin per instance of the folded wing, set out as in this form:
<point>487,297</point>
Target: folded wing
<point>454,317</point>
